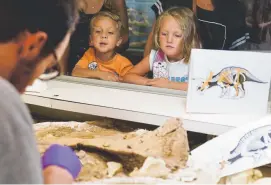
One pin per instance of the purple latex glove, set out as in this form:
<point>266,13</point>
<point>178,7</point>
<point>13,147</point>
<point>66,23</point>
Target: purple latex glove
<point>63,157</point>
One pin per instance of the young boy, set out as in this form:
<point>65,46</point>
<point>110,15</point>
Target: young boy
<point>101,61</point>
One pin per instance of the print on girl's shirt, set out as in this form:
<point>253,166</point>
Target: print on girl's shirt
<point>178,79</point>
<point>162,68</point>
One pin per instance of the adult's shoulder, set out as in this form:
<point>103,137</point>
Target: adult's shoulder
<point>11,104</point>
<point>8,93</point>
<point>18,149</point>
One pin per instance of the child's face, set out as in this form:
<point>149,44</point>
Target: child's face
<point>105,35</point>
<point>171,38</point>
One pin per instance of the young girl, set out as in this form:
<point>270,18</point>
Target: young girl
<point>174,36</point>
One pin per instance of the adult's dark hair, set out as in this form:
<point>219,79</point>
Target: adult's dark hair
<point>54,17</point>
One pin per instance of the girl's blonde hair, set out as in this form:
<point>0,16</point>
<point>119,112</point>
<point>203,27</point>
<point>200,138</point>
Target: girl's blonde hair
<point>188,24</point>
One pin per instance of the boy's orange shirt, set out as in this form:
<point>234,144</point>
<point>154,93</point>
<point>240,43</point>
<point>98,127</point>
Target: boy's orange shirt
<point>118,64</point>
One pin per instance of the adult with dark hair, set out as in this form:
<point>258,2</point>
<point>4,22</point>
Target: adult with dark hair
<point>80,42</point>
<point>33,36</point>
<point>258,19</point>
<point>221,23</point>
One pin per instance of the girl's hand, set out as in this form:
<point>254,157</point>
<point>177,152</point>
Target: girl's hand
<point>159,82</point>
<point>109,76</point>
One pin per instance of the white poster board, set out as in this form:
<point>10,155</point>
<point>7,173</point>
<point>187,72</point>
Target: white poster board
<point>240,149</point>
<point>228,82</point>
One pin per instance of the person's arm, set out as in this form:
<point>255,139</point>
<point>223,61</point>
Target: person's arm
<point>81,69</point>
<point>149,43</point>
<point>165,83</point>
<point>87,73</point>
<point>183,86</point>
<point>57,175</point>
<point>265,24</point>
<point>137,73</point>
<point>120,6</point>
<point>60,165</point>
<point>248,12</point>
<point>78,71</point>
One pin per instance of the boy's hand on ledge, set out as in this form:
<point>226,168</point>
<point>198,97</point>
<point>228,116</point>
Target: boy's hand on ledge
<point>108,76</point>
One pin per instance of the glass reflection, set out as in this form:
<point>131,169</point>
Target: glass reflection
<point>167,69</point>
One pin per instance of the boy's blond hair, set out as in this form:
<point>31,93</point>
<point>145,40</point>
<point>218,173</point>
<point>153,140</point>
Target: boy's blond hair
<point>110,15</point>
<point>187,21</point>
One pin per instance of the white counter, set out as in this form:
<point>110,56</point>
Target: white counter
<point>129,102</point>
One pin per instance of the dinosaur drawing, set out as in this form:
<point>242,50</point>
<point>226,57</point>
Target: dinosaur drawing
<point>229,77</point>
<point>252,144</point>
